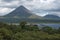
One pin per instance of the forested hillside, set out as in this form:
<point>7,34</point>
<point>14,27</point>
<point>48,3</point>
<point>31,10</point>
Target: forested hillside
<point>27,32</point>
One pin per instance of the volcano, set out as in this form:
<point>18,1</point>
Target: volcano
<point>21,12</point>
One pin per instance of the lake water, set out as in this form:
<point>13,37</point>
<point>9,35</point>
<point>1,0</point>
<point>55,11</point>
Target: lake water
<point>53,25</point>
<point>56,26</point>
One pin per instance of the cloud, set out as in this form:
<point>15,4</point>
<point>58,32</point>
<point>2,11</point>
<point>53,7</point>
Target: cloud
<point>4,11</point>
<point>8,0</point>
<point>41,7</point>
<point>11,4</point>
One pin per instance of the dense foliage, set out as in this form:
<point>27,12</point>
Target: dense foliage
<point>27,32</point>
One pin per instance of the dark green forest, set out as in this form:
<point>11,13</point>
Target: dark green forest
<point>27,32</point>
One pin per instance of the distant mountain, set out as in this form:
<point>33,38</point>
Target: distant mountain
<point>52,16</point>
<point>23,14</point>
<point>20,12</point>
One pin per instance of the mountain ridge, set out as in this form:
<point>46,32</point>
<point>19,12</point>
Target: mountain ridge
<point>51,16</point>
<point>23,14</point>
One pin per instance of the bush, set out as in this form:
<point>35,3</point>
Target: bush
<point>48,30</point>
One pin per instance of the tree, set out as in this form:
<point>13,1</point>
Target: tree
<point>58,30</point>
<point>5,33</point>
<point>48,30</point>
<point>23,24</point>
<point>34,28</point>
<point>3,24</point>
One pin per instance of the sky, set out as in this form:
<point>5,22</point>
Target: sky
<point>39,7</point>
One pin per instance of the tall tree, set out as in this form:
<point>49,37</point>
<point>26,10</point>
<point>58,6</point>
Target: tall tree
<point>23,24</point>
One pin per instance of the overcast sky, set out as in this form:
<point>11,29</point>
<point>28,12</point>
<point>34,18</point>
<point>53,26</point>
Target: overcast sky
<point>39,7</point>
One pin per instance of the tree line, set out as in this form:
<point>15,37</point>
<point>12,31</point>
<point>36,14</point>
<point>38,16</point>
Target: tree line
<point>27,32</point>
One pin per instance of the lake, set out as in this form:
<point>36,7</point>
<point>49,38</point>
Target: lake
<point>56,26</point>
<point>53,25</point>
